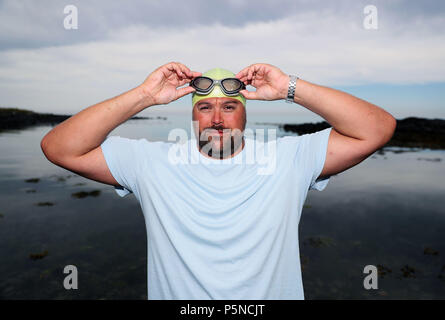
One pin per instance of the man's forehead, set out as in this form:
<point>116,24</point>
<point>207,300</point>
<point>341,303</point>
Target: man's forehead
<point>215,100</point>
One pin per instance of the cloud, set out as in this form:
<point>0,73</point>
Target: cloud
<point>29,23</point>
<point>323,44</point>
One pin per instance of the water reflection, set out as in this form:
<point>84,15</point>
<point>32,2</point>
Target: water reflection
<point>387,211</point>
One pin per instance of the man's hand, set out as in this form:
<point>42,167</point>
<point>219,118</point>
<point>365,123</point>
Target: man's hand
<point>161,85</point>
<point>270,82</point>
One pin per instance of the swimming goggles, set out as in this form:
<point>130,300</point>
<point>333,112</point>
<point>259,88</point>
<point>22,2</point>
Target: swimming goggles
<point>230,86</point>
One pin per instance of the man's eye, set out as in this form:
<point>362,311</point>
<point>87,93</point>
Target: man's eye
<point>230,107</point>
<point>202,108</point>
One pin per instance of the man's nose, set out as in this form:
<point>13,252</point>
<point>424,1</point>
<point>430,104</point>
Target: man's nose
<point>216,117</point>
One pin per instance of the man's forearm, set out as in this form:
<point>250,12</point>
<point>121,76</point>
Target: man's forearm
<point>349,115</point>
<point>87,129</point>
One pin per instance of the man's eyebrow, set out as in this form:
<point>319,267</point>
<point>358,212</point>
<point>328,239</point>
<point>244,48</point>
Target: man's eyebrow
<point>205,103</point>
<point>199,104</point>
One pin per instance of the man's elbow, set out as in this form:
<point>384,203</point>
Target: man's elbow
<point>44,145</point>
<point>48,149</point>
<point>385,131</point>
<point>390,129</point>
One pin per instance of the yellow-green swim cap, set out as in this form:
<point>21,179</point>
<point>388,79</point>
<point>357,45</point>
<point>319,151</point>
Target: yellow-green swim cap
<point>217,74</point>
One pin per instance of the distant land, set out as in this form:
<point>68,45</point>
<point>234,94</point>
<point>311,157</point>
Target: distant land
<point>411,132</point>
<point>13,118</point>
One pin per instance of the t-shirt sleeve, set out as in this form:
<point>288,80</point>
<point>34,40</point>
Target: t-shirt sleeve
<point>121,156</point>
<point>313,150</point>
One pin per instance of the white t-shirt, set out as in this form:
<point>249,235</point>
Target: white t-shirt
<point>221,230</point>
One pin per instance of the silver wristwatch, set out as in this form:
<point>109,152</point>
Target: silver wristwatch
<point>291,89</point>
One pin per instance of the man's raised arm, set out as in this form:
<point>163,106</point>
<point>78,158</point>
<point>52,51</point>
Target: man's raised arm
<point>359,127</point>
<point>75,143</point>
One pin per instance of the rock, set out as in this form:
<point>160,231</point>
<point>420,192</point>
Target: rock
<point>408,272</point>
<point>84,194</point>
<point>382,270</point>
<point>430,251</point>
<point>38,256</point>
<point>318,242</point>
<point>45,204</point>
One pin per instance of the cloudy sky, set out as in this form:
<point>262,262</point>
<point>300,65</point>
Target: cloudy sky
<point>400,66</point>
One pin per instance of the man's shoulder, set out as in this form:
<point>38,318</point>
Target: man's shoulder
<point>288,140</point>
<point>305,136</point>
<point>138,145</point>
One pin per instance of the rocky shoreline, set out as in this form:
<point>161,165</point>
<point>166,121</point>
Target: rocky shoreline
<point>16,119</point>
<point>411,132</point>
<point>11,118</point>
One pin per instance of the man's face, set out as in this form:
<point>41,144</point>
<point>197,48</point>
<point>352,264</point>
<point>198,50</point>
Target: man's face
<point>221,125</point>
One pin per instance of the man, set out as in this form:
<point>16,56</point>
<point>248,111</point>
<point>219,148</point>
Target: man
<point>220,231</point>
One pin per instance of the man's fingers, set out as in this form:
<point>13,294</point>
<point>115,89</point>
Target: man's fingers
<point>246,82</point>
<point>171,69</point>
<point>242,73</point>
<point>250,74</point>
<point>193,74</point>
<point>251,95</point>
<point>185,70</point>
<point>183,91</point>
<point>175,68</point>
<point>183,82</point>
<point>246,70</point>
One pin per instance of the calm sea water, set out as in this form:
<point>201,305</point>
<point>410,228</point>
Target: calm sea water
<point>388,211</point>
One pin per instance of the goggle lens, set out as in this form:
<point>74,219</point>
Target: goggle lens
<point>231,84</point>
<point>203,83</point>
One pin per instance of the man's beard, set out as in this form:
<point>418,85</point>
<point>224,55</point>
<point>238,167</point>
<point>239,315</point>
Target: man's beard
<point>210,142</point>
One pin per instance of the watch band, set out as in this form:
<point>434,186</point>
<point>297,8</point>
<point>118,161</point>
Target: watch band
<point>291,89</point>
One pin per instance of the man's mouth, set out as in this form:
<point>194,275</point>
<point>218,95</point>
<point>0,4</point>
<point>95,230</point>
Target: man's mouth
<point>219,130</point>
